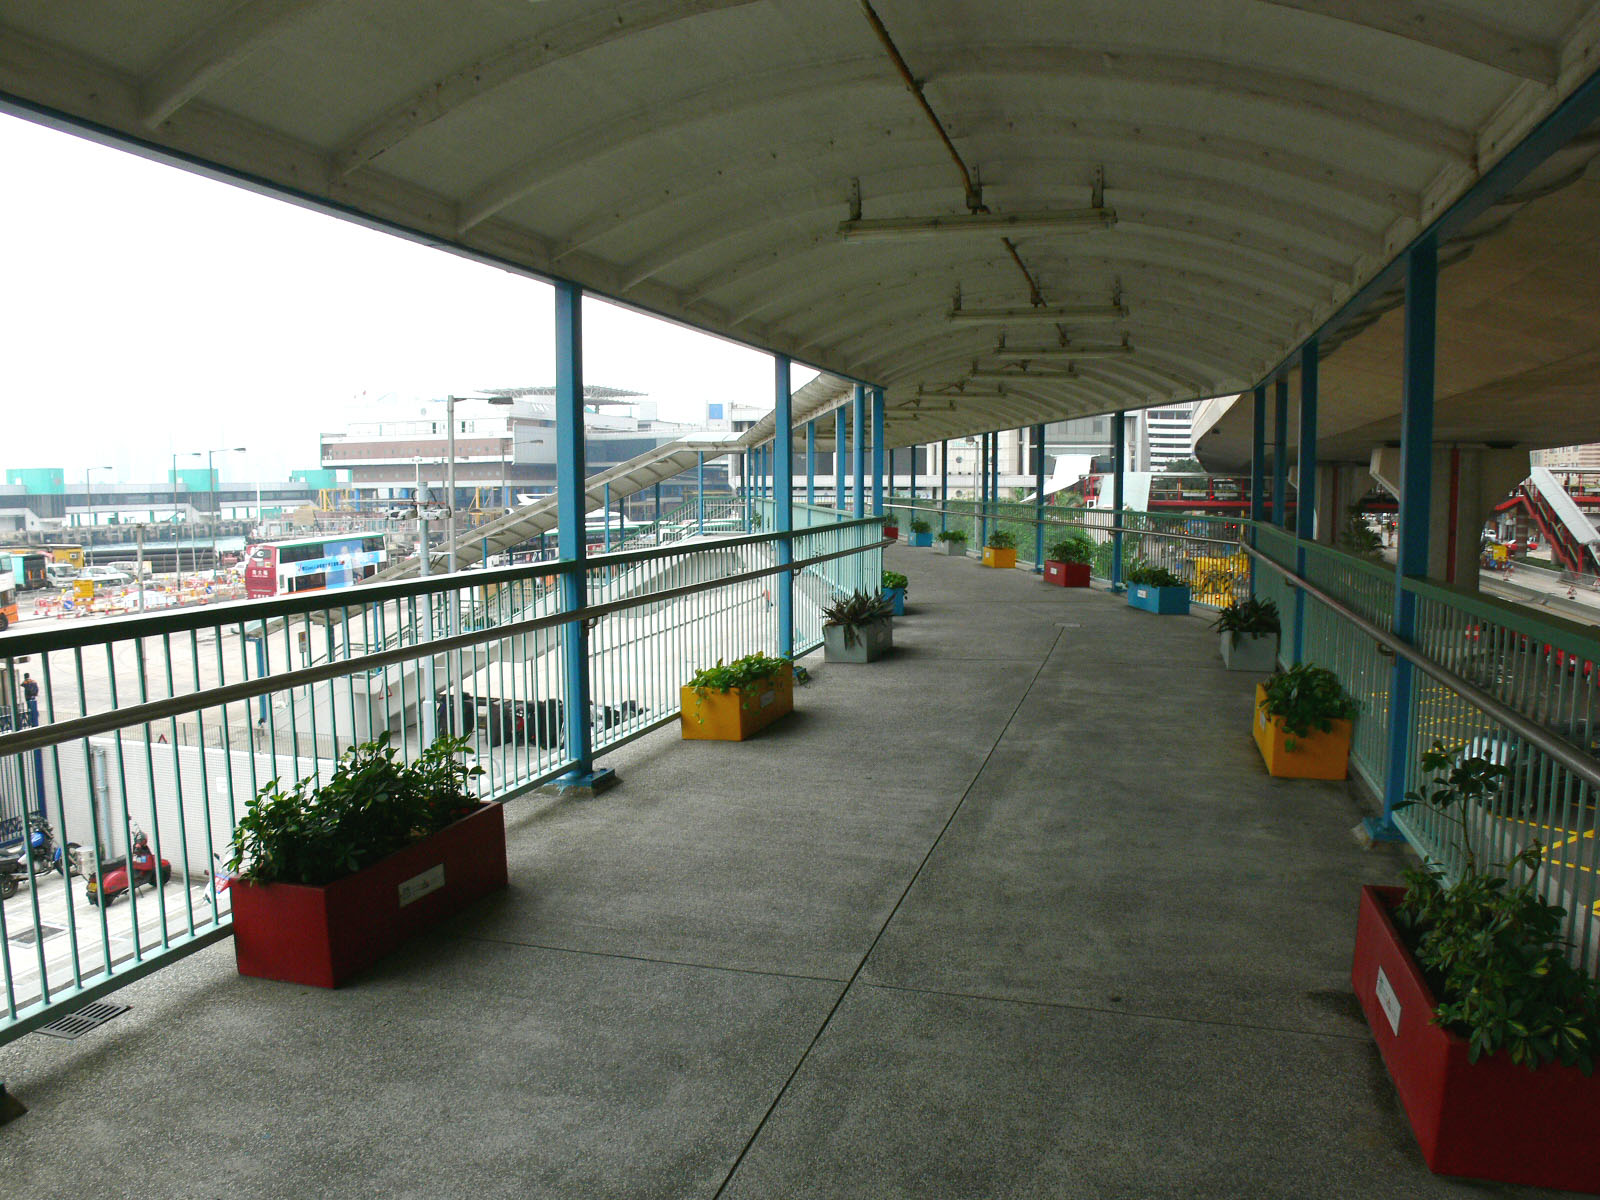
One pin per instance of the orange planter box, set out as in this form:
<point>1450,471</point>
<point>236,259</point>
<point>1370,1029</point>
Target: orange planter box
<point>993,557</point>
<point>733,716</point>
<point>1318,755</point>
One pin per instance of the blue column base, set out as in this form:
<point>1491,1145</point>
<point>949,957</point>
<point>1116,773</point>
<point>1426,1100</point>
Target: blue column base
<point>581,785</point>
<point>1380,829</point>
<point>1039,570</point>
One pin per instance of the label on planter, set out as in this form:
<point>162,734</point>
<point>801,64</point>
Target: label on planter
<point>1388,1001</point>
<point>418,886</point>
<point>767,700</point>
<point>1142,594</point>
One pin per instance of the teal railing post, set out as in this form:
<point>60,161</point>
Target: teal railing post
<point>1416,484</point>
<point>841,441</point>
<point>607,511</point>
<point>1119,455</point>
<point>658,511</point>
<point>583,778</point>
<point>913,453</point>
<point>1258,473</point>
<point>994,481</point>
<point>980,492</point>
<point>1280,453</point>
<point>858,448</point>
<point>811,462</point>
<point>1038,500</point>
<point>700,494</point>
<point>944,482</point>
<point>783,499</point>
<point>877,452</point>
<point>746,466</point>
<point>1305,518</point>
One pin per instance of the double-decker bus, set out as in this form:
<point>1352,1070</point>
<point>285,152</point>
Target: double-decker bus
<point>8,600</point>
<point>311,564</point>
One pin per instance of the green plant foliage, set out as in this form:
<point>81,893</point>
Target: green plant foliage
<point>857,610</point>
<point>1074,548</point>
<point>1002,539</point>
<point>952,535</point>
<point>891,521</point>
<point>371,806</point>
<point>918,525</point>
<point>1248,616</point>
<point>740,673</point>
<point>1358,537</point>
<point>1307,696</point>
<point>1489,948</point>
<point>892,579</point>
<point>1152,576</point>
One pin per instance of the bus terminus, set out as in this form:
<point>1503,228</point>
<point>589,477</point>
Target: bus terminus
<point>311,564</point>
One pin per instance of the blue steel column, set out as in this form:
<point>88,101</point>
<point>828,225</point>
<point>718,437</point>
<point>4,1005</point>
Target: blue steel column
<point>841,443</point>
<point>811,462</point>
<point>570,521</point>
<point>1416,484</point>
<point>783,498</point>
<point>1305,521</point>
<point>877,452</point>
<point>607,510</point>
<point>913,476</point>
<point>1038,500</point>
<point>944,482</point>
<point>858,448</point>
<point>1280,453</point>
<point>980,492</point>
<point>1258,472</point>
<point>1119,453</point>
<point>700,493</point>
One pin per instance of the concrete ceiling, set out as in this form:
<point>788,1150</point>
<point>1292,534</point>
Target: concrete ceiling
<point>1263,159</point>
<point>1518,355</point>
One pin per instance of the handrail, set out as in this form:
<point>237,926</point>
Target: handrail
<point>974,515</point>
<point>1563,752</point>
<point>38,737</point>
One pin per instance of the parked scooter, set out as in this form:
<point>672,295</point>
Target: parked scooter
<point>13,871</point>
<point>114,879</point>
<point>46,851</point>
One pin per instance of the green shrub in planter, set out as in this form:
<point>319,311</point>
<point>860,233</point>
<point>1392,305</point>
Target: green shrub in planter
<point>1153,576</point>
<point>918,525</point>
<point>952,535</point>
<point>1307,697</point>
<point>1249,630</point>
<point>861,618</point>
<point>741,672</point>
<point>1074,548</point>
<point>370,807</point>
<point>894,591</point>
<point>1248,617</point>
<point>1002,539</point>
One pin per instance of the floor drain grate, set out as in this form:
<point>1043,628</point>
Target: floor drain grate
<point>27,937</point>
<point>76,1024</point>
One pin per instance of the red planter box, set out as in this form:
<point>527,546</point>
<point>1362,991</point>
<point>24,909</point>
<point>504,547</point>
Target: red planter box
<point>1066,574</point>
<point>322,936</point>
<point>1491,1119</point>
<point>892,533</point>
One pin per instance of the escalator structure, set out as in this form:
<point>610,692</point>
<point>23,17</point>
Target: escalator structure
<point>1564,526</point>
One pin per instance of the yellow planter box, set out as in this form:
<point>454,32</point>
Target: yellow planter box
<point>993,557</point>
<point>733,716</point>
<point>1318,755</point>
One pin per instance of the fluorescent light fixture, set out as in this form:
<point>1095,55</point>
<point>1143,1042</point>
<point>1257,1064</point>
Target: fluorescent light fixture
<point>1063,221</point>
<point>1048,314</point>
<point>1058,353</point>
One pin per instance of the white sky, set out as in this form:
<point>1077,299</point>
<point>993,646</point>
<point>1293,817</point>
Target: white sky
<point>147,310</point>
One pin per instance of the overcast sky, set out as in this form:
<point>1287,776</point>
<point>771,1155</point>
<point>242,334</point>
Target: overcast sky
<point>146,310</point>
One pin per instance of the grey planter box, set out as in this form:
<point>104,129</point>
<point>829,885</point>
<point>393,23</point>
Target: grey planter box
<point>955,549</point>
<point>871,642</point>
<point>1256,652</point>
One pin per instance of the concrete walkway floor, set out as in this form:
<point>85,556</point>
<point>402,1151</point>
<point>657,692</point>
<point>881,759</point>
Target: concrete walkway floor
<point>1013,913</point>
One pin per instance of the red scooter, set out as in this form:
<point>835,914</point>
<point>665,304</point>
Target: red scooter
<point>114,879</point>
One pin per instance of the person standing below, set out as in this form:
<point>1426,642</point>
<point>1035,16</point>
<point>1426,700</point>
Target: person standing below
<point>30,697</point>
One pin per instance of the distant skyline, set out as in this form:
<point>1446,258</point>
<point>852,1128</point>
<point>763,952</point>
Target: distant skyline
<point>148,310</point>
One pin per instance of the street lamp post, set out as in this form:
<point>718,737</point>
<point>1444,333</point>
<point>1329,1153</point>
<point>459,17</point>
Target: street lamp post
<point>177,546</point>
<point>216,511</point>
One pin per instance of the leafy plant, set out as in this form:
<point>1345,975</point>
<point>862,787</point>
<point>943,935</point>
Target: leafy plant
<point>918,525</point>
<point>1307,696</point>
<point>740,673</point>
<point>371,806</point>
<point>1358,537</point>
<point>1074,548</point>
<point>890,521</point>
<point>1489,948</point>
<point>1248,617</point>
<point>1002,539</point>
<point>952,535</point>
<point>892,579</point>
<point>857,610</point>
<point>1152,576</point>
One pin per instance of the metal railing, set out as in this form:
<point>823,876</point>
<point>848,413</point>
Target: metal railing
<point>165,725</point>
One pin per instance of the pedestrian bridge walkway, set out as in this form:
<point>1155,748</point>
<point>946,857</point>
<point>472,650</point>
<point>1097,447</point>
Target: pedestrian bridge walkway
<point>1013,913</point>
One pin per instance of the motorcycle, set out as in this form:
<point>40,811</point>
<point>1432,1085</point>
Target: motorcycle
<point>122,874</point>
<point>46,851</point>
<point>12,872</point>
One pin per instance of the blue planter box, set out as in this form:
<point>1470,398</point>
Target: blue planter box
<point>1168,601</point>
<point>897,596</point>
<point>921,539</point>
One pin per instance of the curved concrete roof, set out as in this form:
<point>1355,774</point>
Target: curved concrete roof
<point>697,158</point>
